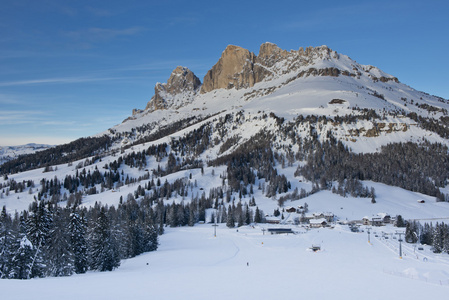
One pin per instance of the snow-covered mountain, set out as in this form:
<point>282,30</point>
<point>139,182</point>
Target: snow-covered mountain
<point>284,101</point>
<point>315,81</point>
<point>283,137</point>
<point>8,153</point>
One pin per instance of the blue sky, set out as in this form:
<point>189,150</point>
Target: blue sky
<point>71,69</point>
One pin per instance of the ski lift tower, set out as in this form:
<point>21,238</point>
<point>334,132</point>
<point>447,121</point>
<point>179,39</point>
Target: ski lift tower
<point>368,230</point>
<point>215,229</point>
<point>400,242</point>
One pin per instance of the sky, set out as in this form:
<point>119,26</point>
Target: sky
<point>71,69</point>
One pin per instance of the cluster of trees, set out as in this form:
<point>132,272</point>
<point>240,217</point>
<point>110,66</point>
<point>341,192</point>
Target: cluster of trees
<point>17,187</point>
<point>406,165</point>
<point>181,214</point>
<point>435,235</point>
<point>354,188</point>
<point>49,240</point>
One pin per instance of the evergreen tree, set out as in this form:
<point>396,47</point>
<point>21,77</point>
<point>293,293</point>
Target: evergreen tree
<point>257,216</point>
<point>59,253</point>
<point>37,232</point>
<point>400,221</point>
<point>150,238</point>
<point>411,232</point>
<point>23,261</point>
<point>78,243</point>
<point>104,252</point>
<point>7,239</point>
<point>438,238</point>
<point>230,222</point>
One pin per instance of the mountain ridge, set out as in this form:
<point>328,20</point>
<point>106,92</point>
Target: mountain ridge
<point>309,96</point>
<point>238,68</point>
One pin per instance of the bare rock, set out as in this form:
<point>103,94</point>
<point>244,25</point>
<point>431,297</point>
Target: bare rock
<point>181,80</point>
<point>234,69</point>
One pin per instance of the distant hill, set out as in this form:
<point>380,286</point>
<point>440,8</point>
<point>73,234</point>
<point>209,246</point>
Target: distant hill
<point>8,153</point>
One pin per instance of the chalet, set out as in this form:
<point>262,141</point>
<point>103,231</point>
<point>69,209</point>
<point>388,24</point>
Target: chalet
<point>317,223</point>
<point>377,222</point>
<point>272,220</point>
<point>386,219</point>
<point>329,217</point>
<point>290,209</point>
<point>318,215</point>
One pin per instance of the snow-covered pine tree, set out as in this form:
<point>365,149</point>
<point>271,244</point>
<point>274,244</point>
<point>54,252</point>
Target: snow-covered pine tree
<point>437,238</point>
<point>104,254</point>
<point>150,236</point>
<point>77,229</point>
<point>7,240</point>
<point>58,250</point>
<point>37,232</point>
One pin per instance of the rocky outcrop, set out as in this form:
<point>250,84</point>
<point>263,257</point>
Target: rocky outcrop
<point>234,69</point>
<point>180,80</point>
<point>238,68</point>
<point>269,55</point>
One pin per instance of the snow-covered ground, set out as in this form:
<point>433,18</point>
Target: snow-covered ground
<point>246,264</point>
<point>8,153</point>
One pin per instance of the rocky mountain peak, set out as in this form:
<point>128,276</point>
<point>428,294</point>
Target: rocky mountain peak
<point>238,68</point>
<point>234,69</point>
<point>180,80</point>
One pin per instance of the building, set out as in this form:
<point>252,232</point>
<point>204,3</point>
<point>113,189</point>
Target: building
<point>272,220</point>
<point>377,222</point>
<point>280,230</point>
<point>317,223</point>
<point>290,209</point>
<point>366,221</point>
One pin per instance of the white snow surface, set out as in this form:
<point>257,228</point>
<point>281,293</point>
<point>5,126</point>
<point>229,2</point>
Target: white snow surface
<point>193,264</point>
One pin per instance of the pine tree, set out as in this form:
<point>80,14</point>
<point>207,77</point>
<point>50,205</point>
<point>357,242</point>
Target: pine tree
<point>37,232</point>
<point>400,221</point>
<point>257,216</point>
<point>411,234</point>
<point>150,238</point>
<point>78,243</point>
<point>59,254</point>
<point>230,222</point>
<point>437,238</point>
<point>104,252</point>
<point>6,243</point>
<point>23,261</point>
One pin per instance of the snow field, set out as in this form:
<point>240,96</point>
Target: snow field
<point>193,264</point>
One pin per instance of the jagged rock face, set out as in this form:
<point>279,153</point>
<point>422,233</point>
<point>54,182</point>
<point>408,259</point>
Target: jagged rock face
<point>269,54</point>
<point>180,80</point>
<point>234,69</point>
<point>239,68</point>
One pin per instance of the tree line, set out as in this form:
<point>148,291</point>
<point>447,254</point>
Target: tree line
<point>436,235</point>
<point>48,240</point>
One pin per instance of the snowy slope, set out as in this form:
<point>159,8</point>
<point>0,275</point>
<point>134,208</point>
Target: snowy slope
<point>193,264</point>
<point>292,90</point>
<point>8,153</point>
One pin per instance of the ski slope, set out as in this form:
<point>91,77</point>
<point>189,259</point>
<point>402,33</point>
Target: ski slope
<point>246,264</point>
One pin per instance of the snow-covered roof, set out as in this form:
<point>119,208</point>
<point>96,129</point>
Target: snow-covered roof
<point>318,221</point>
